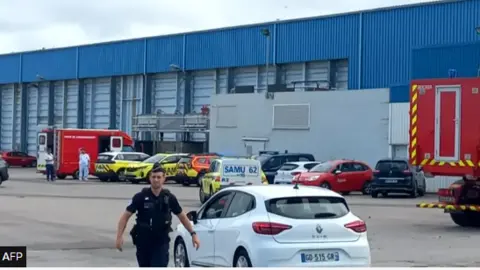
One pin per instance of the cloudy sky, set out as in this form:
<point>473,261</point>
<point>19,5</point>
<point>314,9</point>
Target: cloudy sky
<point>33,24</point>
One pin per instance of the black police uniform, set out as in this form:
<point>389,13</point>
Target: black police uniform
<point>150,233</point>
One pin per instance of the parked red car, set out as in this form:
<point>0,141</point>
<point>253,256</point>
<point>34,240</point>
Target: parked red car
<point>342,176</point>
<point>15,158</point>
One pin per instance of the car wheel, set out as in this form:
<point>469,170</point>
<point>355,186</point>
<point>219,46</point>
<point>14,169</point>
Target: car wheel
<point>374,194</point>
<point>103,179</point>
<point>180,255</point>
<point>199,180</point>
<point>210,193</point>
<point>367,188</point>
<point>121,175</point>
<point>241,259</point>
<point>33,164</point>
<point>421,192</point>
<point>76,175</point>
<point>201,195</point>
<point>385,194</point>
<point>61,176</point>
<point>325,185</point>
<point>414,192</point>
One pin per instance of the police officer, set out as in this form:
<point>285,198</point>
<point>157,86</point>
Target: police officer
<point>153,206</point>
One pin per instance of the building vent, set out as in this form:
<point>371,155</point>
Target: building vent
<point>291,116</point>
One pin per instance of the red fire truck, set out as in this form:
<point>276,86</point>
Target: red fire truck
<point>445,141</point>
<point>65,145</point>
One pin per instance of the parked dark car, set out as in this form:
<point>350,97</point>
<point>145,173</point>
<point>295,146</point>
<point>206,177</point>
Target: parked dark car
<point>272,161</point>
<point>16,158</point>
<point>3,171</point>
<point>397,176</point>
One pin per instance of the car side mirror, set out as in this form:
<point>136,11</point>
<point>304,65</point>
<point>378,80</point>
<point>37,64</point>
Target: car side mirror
<point>337,172</point>
<point>193,216</point>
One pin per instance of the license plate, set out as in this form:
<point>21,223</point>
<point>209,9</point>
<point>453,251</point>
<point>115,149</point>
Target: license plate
<point>312,257</point>
<point>391,181</point>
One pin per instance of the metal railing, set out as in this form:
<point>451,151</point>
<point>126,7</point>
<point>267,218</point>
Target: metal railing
<point>171,123</point>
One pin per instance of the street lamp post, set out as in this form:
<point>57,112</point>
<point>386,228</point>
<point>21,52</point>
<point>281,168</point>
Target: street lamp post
<point>266,33</point>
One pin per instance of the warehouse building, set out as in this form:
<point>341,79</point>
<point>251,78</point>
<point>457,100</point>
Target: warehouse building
<point>247,75</point>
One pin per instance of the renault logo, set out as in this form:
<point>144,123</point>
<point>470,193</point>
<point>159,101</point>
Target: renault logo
<point>319,229</point>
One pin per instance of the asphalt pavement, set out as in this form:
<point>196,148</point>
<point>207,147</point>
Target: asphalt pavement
<point>73,224</point>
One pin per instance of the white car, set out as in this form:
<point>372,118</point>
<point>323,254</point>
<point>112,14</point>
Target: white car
<point>287,172</point>
<point>274,226</point>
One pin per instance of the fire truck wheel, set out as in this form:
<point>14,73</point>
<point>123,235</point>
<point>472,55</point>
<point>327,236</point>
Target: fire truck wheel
<point>467,219</point>
<point>76,174</point>
<point>61,176</point>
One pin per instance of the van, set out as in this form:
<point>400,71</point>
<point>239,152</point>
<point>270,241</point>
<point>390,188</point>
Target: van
<point>225,172</point>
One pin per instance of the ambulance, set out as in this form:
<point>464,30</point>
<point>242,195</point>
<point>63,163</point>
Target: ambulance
<point>225,172</point>
<point>65,145</point>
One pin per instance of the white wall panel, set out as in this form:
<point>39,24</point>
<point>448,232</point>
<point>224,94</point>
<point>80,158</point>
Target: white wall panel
<point>97,103</point>
<point>341,76</point>
<point>8,110</point>
<point>293,73</point>
<point>399,123</point>
<point>71,108</point>
<point>254,76</point>
<point>314,72</point>
<point>88,108</point>
<point>367,115</point>
<point>203,87</point>
<point>317,71</point>
<point>245,76</point>
<point>101,103</point>
<point>37,108</point>
<point>221,81</point>
<point>166,96</point>
<point>17,118</point>
<point>59,101</point>
<point>131,92</point>
<point>400,151</point>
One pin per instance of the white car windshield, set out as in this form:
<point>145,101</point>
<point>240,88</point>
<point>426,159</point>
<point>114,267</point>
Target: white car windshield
<point>323,167</point>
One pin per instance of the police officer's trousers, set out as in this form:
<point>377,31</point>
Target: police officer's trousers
<point>153,255</point>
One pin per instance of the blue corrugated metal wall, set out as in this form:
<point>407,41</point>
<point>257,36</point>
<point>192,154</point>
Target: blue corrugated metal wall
<point>111,59</point>
<point>54,64</point>
<point>377,44</point>
<point>164,51</point>
<point>228,48</point>
<point>435,62</point>
<point>390,35</point>
<point>10,68</point>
